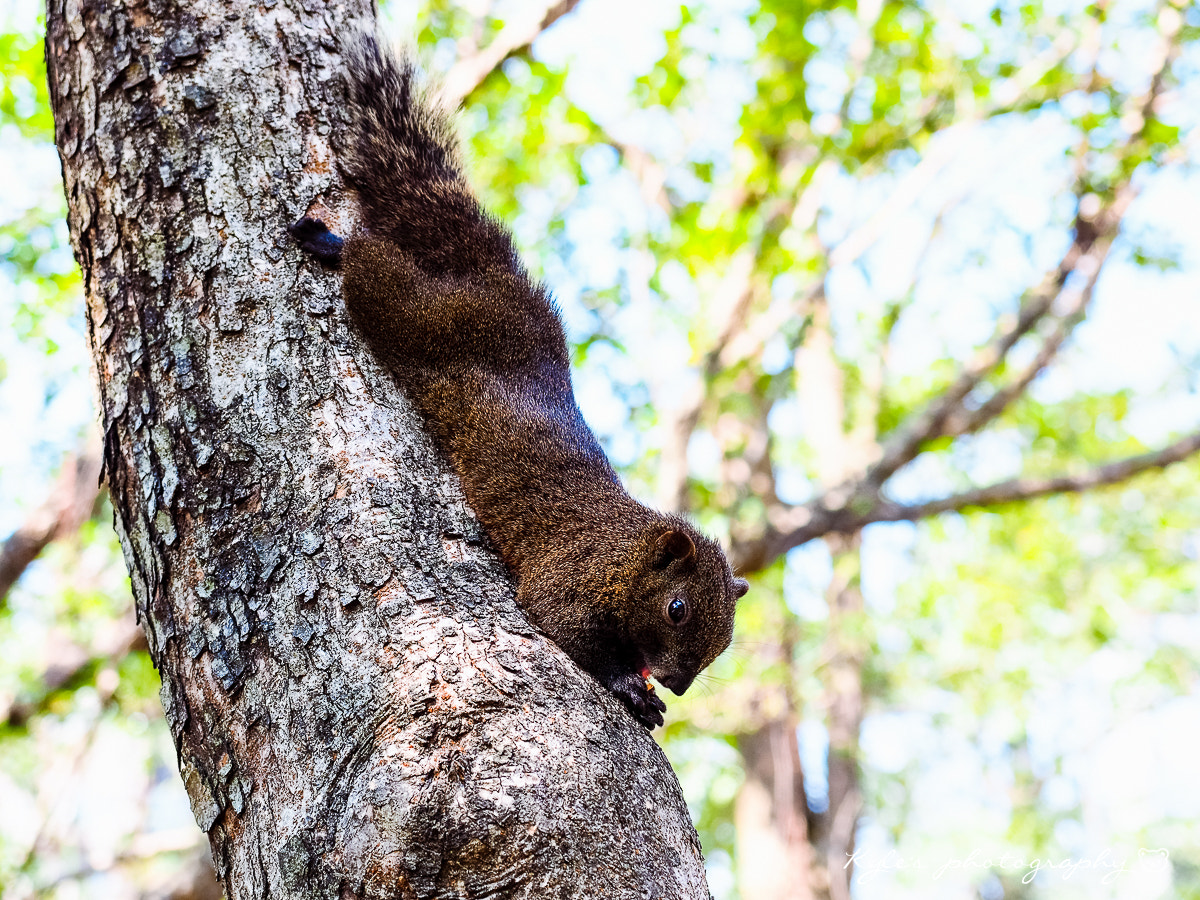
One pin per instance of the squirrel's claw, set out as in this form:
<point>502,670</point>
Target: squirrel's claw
<point>317,240</point>
<point>639,699</point>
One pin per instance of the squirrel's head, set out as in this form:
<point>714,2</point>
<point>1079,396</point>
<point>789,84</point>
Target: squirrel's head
<point>684,603</point>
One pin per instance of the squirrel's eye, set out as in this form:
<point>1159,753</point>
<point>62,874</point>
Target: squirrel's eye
<point>676,610</point>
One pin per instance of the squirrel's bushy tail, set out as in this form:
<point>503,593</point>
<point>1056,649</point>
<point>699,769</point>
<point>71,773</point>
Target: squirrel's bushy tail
<point>403,160</point>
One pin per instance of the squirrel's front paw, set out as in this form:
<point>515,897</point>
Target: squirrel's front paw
<point>317,240</point>
<point>639,697</point>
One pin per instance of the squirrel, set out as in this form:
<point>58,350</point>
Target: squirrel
<point>435,287</point>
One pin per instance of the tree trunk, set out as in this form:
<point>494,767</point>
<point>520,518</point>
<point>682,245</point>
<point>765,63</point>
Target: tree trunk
<point>775,858</point>
<point>359,707</point>
<point>847,652</point>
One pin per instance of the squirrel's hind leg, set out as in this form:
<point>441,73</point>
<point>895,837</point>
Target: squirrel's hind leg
<point>318,241</point>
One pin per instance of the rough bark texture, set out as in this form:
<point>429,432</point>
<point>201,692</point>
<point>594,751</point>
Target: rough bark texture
<point>359,707</point>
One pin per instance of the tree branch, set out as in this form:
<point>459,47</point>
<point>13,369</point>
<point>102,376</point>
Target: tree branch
<point>1088,250</point>
<point>469,72</point>
<point>1031,488</point>
<point>647,171</point>
<point>67,662</point>
<point>816,519</point>
<point>964,421</point>
<point>740,340</point>
<point>1093,239</point>
<point>681,421</point>
<point>1139,113</point>
<point>69,505</point>
<point>908,190</point>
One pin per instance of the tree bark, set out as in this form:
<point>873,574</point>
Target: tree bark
<point>359,707</point>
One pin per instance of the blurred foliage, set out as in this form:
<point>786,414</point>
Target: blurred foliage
<point>637,151</point>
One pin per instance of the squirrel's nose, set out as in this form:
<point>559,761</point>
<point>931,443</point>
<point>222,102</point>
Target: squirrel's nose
<point>677,682</point>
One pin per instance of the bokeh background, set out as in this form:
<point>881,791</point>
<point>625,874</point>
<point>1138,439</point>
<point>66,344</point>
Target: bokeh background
<point>778,231</point>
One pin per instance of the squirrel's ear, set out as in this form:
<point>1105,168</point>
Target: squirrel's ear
<point>740,586</point>
<point>671,547</point>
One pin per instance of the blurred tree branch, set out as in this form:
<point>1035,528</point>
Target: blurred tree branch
<point>469,72</point>
<point>742,336</point>
<point>69,662</point>
<point>814,520</point>
<point>733,303</point>
<point>1087,253</point>
<point>1060,300</point>
<point>69,504</point>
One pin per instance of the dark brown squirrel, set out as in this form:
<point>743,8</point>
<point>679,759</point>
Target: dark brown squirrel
<point>437,290</point>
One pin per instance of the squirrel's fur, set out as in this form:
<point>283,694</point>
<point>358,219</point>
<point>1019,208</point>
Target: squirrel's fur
<point>436,287</point>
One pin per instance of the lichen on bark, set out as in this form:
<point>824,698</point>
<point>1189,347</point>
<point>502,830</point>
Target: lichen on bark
<point>360,708</point>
